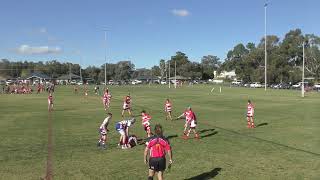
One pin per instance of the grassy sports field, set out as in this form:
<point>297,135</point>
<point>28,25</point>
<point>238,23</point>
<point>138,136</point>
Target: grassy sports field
<point>285,145</point>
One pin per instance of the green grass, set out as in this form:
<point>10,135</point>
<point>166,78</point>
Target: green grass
<point>287,147</point>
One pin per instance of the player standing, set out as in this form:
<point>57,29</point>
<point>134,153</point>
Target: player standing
<point>103,131</point>
<point>50,102</point>
<point>146,122</point>
<point>168,109</point>
<point>157,146</point>
<point>191,122</point>
<point>106,99</point>
<point>126,105</point>
<point>250,113</point>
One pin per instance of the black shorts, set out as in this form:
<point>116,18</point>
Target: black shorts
<point>157,164</point>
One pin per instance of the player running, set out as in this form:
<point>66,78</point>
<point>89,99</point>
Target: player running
<point>145,120</point>
<point>157,147</point>
<point>106,99</point>
<point>50,102</point>
<point>123,128</point>
<point>250,113</point>
<point>168,109</point>
<point>103,131</point>
<point>126,105</point>
<point>191,122</point>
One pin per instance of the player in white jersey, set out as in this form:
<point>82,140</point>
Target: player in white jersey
<point>123,128</point>
<point>168,109</point>
<point>103,129</point>
<point>250,114</point>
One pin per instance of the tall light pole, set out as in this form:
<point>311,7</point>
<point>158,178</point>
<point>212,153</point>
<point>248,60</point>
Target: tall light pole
<point>175,74</point>
<point>302,85</point>
<point>169,73</point>
<point>265,45</point>
<point>105,57</point>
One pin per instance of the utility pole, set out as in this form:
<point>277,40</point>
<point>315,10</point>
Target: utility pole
<point>175,74</point>
<point>105,57</point>
<point>302,85</point>
<point>265,45</point>
<point>169,73</point>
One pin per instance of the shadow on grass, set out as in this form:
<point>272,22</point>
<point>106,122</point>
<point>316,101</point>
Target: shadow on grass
<point>205,130</point>
<point>172,136</point>
<point>208,135</point>
<point>262,124</point>
<point>207,175</point>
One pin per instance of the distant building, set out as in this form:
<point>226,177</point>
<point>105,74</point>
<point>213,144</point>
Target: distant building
<point>35,78</point>
<point>67,78</point>
<point>227,74</point>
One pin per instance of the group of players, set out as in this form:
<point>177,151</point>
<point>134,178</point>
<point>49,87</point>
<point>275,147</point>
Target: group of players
<point>122,127</point>
<point>156,143</point>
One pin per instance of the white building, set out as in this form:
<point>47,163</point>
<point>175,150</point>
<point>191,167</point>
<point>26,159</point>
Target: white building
<point>227,74</point>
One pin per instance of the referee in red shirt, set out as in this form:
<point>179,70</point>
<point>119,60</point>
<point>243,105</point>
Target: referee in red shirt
<point>157,148</point>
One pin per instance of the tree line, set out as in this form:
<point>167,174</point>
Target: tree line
<point>284,63</point>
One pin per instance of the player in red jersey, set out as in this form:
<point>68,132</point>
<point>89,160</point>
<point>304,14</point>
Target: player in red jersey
<point>50,102</point>
<point>191,122</point>
<point>126,105</point>
<point>168,109</point>
<point>106,99</point>
<point>157,147</point>
<point>145,120</point>
<point>250,113</point>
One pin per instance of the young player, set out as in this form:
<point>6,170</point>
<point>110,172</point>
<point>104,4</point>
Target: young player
<point>103,129</point>
<point>250,113</point>
<point>106,99</point>
<point>123,128</point>
<point>157,148</point>
<point>145,120</point>
<point>191,122</point>
<point>168,109</point>
<point>126,105</point>
<point>50,102</point>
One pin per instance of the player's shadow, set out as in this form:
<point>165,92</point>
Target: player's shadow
<point>208,135</point>
<point>172,136</point>
<point>205,130</point>
<point>262,124</point>
<point>206,175</point>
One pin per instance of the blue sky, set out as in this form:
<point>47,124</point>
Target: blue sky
<point>143,31</point>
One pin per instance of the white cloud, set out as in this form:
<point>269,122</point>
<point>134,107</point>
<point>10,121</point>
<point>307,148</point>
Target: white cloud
<point>43,30</point>
<point>36,50</point>
<point>180,12</point>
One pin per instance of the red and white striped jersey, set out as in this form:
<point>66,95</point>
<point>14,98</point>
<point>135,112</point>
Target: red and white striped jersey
<point>189,115</point>
<point>105,96</point>
<point>50,99</point>
<point>168,107</point>
<point>145,119</point>
<point>250,109</point>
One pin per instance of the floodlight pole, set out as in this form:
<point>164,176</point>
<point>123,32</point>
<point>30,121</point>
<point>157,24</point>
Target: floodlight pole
<point>175,74</point>
<point>105,58</point>
<point>169,73</point>
<point>302,85</point>
<point>80,74</point>
<point>265,46</point>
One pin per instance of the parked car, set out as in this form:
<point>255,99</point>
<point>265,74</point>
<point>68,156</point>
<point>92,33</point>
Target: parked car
<point>73,82</point>
<point>79,83</point>
<point>236,83</point>
<point>255,85</point>
<point>317,86</point>
<point>111,82</point>
<point>163,82</point>
<point>134,82</point>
